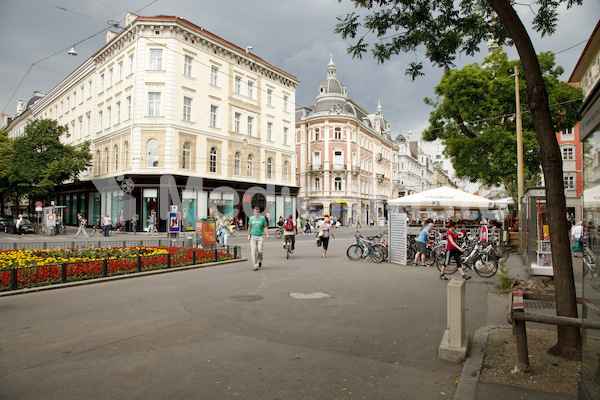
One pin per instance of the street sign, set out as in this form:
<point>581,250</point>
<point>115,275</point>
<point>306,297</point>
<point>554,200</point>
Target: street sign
<point>38,204</point>
<point>174,222</point>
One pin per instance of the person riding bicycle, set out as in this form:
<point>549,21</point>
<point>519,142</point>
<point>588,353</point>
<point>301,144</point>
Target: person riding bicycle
<point>422,240</point>
<point>453,250</point>
<point>289,232</point>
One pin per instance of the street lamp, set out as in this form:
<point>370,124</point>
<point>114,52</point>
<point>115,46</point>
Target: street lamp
<point>520,178</point>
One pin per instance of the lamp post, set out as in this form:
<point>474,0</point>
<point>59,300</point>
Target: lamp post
<point>520,178</point>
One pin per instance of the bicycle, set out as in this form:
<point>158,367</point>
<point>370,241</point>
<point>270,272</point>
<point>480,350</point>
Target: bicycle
<point>96,228</point>
<point>363,249</point>
<point>485,264</point>
<point>287,245</point>
<point>279,232</point>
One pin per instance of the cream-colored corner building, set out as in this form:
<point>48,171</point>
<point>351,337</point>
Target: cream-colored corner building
<point>347,162</point>
<point>164,97</point>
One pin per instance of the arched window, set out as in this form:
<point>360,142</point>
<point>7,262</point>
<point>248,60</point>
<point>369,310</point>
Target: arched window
<point>286,167</point>
<point>126,147</point>
<point>317,185</point>
<point>250,166</point>
<point>152,153</point>
<point>186,158</point>
<point>98,163</point>
<point>116,157</point>
<point>269,168</point>
<point>106,157</point>
<point>337,183</point>
<point>213,160</point>
<point>237,170</point>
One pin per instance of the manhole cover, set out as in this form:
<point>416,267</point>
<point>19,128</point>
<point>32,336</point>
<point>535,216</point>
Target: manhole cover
<point>247,297</point>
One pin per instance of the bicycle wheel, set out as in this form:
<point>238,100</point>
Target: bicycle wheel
<point>504,252</point>
<point>410,253</point>
<point>486,265</point>
<point>376,254</point>
<point>62,230</point>
<point>278,234</point>
<point>287,250</point>
<point>354,252</point>
<point>430,257</point>
<point>450,268</point>
<point>92,232</point>
<point>384,251</point>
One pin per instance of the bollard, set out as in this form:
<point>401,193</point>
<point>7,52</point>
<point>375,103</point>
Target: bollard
<point>168,260</point>
<point>13,279</point>
<point>139,264</point>
<point>105,268</point>
<point>235,252</point>
<point>216,255</point>
<point>520,330</point>
<point>455,341</point>
<point>63,272</point>
<point>194,257</point>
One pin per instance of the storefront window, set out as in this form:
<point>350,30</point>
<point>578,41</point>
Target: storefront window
<point>149,203</point>
<point>271,209</point>
<point>590,365</point>
<point>188,213</point>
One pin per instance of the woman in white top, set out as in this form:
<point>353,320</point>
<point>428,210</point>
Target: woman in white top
<point>577,236</point>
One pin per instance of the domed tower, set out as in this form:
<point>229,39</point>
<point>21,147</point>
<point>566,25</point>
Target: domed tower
<point>332,95</point>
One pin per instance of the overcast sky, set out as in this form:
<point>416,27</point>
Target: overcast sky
<point>296,36</point>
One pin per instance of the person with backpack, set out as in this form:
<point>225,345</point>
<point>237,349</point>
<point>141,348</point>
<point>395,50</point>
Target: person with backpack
<point>290,231</point>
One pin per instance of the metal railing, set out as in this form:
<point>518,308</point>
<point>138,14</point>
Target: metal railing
<point>89,244</point>
<point>34,276</point>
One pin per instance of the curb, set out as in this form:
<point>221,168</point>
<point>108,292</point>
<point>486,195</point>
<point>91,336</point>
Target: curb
<point>116,277</point>
<point>467,384</point>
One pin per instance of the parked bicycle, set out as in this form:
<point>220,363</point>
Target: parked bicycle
<point>98,228</point>
<point>485,264</point>
<point>365,248</point>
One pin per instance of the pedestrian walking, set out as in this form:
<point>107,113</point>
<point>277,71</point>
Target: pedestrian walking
<point>257,228</point>
<point>151,223</point>
<point>81,222</point>
<point>307,229</point>
<point>422,240</point>
<point>577,236</point>
<point>134,225</point>
<point>19,226</point>
<point>106,223</point>
<point>326,232</point>
<point>453,250</point>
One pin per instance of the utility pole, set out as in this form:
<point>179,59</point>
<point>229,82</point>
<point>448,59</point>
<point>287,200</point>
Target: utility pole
<point>520,177</point>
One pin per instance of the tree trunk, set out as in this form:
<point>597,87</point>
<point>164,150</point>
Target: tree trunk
<point>569,339</point>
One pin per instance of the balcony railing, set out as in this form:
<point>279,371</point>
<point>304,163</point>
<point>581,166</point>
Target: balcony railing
<point>356,169</point>
<point>380,177</point>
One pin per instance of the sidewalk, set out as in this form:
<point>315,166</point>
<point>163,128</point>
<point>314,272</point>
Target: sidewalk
<point>469,387</point>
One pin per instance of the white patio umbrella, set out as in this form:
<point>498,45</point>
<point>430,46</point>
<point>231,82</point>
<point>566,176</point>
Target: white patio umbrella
<point>443,197</point>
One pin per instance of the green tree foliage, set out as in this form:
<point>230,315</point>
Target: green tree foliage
<point>474,114</point>
<point>447,28</point>
<point>39,161</point>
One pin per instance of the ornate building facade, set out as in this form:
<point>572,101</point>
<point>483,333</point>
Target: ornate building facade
<point>183,117</point>
<point>347,162</point>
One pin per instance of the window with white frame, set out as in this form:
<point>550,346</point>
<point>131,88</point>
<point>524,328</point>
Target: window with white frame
<point>317,185</point>
<point>269,96</point>
<point>152,153</point>
<point>250,165</point>
<point>90,86</point>
<point>285,102</point>
<point>250,89</point>
<point>337,184</point>
<point>108,116</point>
<point>88,124</point>
<point>154,104</point>
<point>110,77</point>
<point>250,126</point>
<point>128,107</point>
<point>317,132</point>
<point>101,83</point>
<point>213,116</point>
<point>187,108</point>
<point>68,104</point>
<point>237,168</point>
<point>237,122</point>
<point>186,156</point>
<point>188,63</point>
<point>569,182</point>
<point>270,131</point>
<point>213,160</point>
<point>116,157</point>
<point>156,59</point>
<point>286,133</point>
<point>100,120</point>
<point>337,133</point>
<point>98,163</point>
<point>120,71</point>
<point>269,168</point>
<point>131,66</point>
<point>567,153</point>
<point>338,161</point>
<point>286,170</point>
<point>79,127</point>
<point>237,84</point>
<point>106,158</point>
<point>126,154</point>
<point>81,91</point>
<point>568,131</point>
<point>118,112</point>
<point>214,75</point>
<point>317,160</point>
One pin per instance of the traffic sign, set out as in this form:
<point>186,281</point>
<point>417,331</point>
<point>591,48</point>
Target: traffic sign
<point>38,203</point>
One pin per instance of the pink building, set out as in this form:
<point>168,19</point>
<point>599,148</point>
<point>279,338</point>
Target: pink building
<point>347,162</point>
